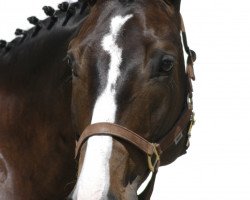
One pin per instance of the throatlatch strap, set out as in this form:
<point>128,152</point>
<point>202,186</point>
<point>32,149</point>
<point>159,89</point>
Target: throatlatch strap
<point>146,194</point>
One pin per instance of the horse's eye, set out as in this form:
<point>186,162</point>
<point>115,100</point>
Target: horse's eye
<point>68,60</point>
<point>167,63</point>
<point>70,63</point>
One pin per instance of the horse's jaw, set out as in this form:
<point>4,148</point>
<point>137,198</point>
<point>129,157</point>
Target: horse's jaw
<point>131,190</point>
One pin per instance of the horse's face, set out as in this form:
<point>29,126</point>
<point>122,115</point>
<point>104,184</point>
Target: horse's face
<point>128,69</point>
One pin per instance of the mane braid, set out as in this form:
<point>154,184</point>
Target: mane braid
<point>65,11</point>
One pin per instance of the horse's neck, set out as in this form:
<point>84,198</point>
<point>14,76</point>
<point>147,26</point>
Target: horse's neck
<point>35,55</point>
<point>33,73</point>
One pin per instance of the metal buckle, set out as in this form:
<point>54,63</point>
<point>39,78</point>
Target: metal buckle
<point>153,165</point>
<point>192,123</point>
<point>190,101</point>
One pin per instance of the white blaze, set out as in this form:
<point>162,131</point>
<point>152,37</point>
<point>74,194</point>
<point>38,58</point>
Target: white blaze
<point>93,182</point>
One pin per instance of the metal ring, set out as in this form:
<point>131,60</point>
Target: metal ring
<point>152,165</point>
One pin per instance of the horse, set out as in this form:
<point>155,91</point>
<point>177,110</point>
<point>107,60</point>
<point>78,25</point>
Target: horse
<point>37,141</point>
<point>131,96</point>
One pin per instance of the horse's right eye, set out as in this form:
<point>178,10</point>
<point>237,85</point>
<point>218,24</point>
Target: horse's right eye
<point>68,60</point>
<point>70,63</point>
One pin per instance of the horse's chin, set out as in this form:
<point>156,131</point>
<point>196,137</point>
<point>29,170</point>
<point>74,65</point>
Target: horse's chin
<point>132,189</point>
<point>128,192</point>
<point>131,195</point>
<point>3,172</point>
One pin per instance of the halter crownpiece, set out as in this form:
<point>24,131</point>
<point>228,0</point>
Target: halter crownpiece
<point>191,54</point>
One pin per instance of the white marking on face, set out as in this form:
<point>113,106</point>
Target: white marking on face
<point>94,180</point>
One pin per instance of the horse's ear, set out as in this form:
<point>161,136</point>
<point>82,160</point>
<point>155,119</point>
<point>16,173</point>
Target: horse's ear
<point>175,3</point>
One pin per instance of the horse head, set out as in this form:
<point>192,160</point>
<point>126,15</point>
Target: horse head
<point>130,85</point>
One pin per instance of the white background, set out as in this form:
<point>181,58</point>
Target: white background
<point>217,166</point>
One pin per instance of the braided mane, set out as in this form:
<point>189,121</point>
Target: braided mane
<point>67,13</point>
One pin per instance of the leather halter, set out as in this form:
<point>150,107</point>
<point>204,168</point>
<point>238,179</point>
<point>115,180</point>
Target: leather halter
<point>150,149</point>
<point>153,151</point>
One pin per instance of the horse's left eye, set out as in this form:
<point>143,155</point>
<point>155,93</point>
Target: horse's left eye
<point>167,63</point>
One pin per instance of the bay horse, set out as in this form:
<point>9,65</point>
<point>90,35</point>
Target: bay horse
<point>131,96</point>
<point>37,141</point>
